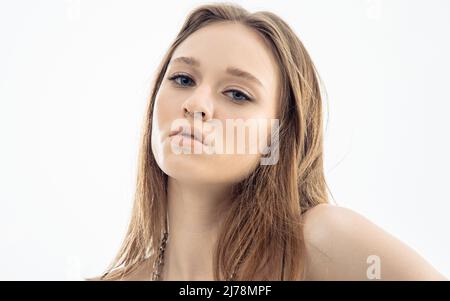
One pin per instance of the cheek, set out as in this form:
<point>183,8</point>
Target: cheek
<point>256,133</point>
<point>163,114</point>
<point>221,167</point>
<point>237,155</point>
<point>166,107</point>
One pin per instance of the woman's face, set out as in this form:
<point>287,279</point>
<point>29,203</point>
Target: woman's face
<point>222,76</point>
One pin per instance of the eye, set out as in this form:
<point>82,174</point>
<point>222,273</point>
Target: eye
<point>238,96</point>
<point>182,80</point>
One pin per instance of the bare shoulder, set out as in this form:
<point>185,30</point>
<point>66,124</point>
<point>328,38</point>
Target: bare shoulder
<point>344,245</point>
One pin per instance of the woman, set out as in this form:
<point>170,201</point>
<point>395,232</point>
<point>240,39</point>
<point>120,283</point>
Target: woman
<point>213,215</point>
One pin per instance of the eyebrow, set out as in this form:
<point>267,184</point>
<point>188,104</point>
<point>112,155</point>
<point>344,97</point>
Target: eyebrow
<point>230,70</point>
<point>187,60</point>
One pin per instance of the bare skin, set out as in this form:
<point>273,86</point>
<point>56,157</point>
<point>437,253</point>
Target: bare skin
<point>338,240</point>
<point>199,185</point>
<point>194,214</point>
<point>338,243</point>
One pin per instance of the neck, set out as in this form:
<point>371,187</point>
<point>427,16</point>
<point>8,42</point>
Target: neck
<point>195,213</point>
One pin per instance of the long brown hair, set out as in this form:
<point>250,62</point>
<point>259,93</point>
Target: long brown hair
<point>263,234</point>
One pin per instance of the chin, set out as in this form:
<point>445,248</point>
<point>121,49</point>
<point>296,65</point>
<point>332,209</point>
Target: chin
<point>206,168</point>
<point>187,166</point>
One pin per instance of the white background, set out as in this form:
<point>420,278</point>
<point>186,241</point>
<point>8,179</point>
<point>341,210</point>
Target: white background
<point>74,82</point>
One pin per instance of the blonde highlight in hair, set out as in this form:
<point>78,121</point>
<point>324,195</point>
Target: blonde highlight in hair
<point>262,234</point>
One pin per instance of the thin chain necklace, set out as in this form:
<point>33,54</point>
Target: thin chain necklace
<point>159,262</point>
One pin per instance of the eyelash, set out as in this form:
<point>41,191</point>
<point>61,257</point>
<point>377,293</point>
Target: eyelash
<point>177,76</point>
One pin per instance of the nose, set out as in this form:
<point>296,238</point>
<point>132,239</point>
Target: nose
<point>199,104</point>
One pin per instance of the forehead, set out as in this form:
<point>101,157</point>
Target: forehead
<point>220,45</point>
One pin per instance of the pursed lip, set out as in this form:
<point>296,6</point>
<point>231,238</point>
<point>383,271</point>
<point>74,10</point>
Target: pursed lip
<point>190,132</point>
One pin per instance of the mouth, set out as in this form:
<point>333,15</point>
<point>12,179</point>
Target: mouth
<point>189,133</point>
<point>189,137</point>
